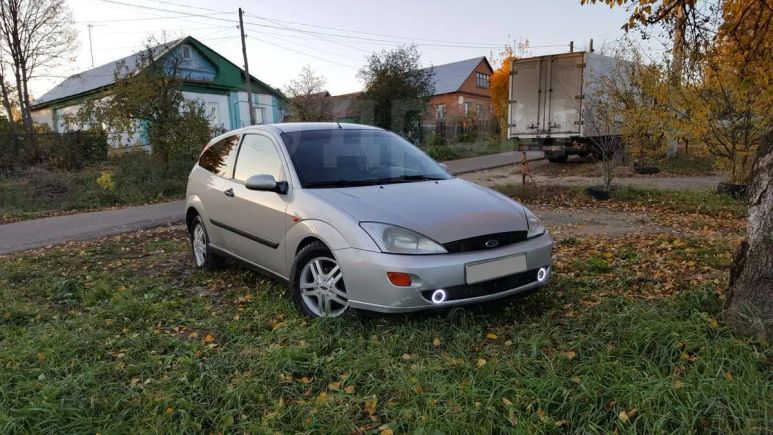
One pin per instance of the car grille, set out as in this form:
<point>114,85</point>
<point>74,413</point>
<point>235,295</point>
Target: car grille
<point>478,243</point>
<point>493,286</point>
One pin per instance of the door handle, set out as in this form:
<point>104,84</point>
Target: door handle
<point>229,193</point>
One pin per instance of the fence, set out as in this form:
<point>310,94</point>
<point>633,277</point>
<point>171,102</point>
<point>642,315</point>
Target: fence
<point>69,150</point>
<point>459,130</point>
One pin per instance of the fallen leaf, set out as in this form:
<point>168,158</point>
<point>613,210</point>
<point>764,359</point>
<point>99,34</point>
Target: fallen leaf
<point>169,410</point>
<point>349,389</point>
<point>322,397</point>
<point>570,354</point>
<point>41,356</point>
<point>491,336</point>
<point>334,385</point>
<point>481,362</point>
<point>209,338</point>
<point>623,416</point>
<point>729,375</point>
<point>386,432</point>
<point>713,324</point>
<point>678,385</point>
<point>406,356</point>
<point>575,379</point>
<point>507,402</point>
<point>370,405</point>
<point>436,341</point>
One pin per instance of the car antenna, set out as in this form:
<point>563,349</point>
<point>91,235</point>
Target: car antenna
<point>339,124</point>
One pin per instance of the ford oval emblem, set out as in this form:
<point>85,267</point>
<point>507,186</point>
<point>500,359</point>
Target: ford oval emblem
<point>492,243</point>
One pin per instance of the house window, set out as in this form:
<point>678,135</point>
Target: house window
<point>481,80</point>
<point>467,108</point>
<point>480,111</point>
<point>187,54</point>
<point>440,111</point>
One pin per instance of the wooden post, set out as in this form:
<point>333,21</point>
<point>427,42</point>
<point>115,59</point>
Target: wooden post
<point>524,168</point>
<point>246,69</point>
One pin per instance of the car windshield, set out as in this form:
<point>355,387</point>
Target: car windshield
<point>353,157</point>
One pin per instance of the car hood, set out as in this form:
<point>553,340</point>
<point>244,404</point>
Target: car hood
<point>445,211</point>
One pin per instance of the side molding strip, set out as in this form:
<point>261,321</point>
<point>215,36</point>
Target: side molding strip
<point>262,241</point>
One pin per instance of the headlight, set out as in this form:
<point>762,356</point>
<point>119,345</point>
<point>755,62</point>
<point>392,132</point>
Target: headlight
<point>535,226</point>
<point>398,240</point>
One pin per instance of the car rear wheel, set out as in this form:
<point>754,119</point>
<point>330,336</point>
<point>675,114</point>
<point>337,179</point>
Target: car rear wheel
<point>317,283</point>
<point>203,257</point>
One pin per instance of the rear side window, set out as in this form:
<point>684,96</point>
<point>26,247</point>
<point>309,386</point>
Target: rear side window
<point>258,156</point>
<point>220,156</point>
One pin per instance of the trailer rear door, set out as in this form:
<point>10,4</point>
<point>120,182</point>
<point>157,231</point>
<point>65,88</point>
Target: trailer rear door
<point>525,97</point>
<point>565,94</point>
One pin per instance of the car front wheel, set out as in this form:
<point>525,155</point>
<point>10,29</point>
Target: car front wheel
<point>317,283</point>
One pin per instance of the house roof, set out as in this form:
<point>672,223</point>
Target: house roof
<point>449,77</point>
<point>98,77</point>
<point>104,75</point>
<point>345,105</point>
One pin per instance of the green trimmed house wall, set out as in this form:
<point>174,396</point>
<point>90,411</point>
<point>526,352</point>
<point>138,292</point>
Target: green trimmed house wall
<point>208,77</point>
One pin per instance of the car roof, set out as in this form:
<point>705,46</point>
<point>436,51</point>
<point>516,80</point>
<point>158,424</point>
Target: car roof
<point>292,127</point>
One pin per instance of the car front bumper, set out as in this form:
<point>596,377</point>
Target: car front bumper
<point>369,288</point>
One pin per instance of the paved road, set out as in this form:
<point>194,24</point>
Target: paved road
<point>43,232</point>
<point>473,164</point>
<point>48,231</point>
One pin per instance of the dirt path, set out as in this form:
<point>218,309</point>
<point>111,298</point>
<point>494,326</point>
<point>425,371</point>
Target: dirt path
<point>565,222</point>
<point>512,175</point>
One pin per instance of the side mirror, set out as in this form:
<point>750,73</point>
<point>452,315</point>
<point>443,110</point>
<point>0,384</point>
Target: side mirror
<point>266,183</point>
<point>444,166</point>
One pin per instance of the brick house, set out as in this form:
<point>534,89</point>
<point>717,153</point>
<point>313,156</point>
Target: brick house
<point>461,92</point>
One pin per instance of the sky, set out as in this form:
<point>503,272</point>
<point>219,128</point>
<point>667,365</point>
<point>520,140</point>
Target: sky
<point>334,37</point>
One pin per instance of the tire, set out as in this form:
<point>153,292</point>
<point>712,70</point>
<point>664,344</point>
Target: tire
<point>316,283</point>
<point>558,159</point>
<point>203,256</point>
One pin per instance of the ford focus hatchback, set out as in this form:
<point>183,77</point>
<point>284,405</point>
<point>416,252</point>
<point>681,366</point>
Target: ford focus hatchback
<point>355,217</point>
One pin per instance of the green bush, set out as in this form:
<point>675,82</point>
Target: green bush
<point>72,150</point>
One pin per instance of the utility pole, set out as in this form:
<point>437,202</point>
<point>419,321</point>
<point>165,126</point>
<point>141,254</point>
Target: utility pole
<point>91,47</point>
<point>246,69</point>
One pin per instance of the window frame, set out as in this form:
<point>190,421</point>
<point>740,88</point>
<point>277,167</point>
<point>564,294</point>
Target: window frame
<point>482,80</point>
<point>189,49</point>
<point>285,172</point>
<point>440,109</point>
<point>211,144</point>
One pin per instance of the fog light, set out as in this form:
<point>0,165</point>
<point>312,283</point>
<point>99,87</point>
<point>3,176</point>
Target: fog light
<point>399,279</point>
<point>542,274</point>
<point>439,296</point>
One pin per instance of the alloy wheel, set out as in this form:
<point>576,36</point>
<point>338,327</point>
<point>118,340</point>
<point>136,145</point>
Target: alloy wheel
<point>199,245</point>
<point>322,287</point>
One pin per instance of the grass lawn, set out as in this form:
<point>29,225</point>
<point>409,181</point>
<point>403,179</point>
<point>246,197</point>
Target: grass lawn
<point>121,335</point>
<point>138,179</point>
<point>692,201</point>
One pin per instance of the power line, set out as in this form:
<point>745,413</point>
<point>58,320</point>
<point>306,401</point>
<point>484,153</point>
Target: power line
<point>303,53</point>
<point>318,33</point>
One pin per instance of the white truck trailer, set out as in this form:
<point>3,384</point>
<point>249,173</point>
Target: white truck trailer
<point>546,101</point>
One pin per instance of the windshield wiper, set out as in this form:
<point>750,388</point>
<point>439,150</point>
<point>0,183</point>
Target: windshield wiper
<point>371,181</point>
<point>420,178</point>
<point>342,183</point>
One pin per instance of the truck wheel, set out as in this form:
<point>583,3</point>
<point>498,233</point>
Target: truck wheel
<point>558,159</point>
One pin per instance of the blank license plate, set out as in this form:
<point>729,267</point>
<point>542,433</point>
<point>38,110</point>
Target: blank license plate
<point>484,271</point>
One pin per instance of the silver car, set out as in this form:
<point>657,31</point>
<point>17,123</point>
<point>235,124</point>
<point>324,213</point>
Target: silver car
<point>355,217</point>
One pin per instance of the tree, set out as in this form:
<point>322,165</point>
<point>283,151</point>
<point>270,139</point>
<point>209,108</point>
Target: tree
<point>499,85</point>
<point>732,42</point>
<point>396,87</point>
<point>308,100</point>
<point>602,116</point>
<point>149,96</point>
<point>637,91</point>
<point>35,35</point>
